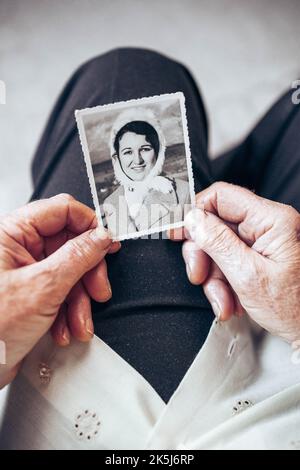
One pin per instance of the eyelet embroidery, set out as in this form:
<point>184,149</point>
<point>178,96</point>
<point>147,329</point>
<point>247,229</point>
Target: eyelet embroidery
<point>241,405</point>
<point>45,373</point>
<point>87,425</point>
<point>44,370</point>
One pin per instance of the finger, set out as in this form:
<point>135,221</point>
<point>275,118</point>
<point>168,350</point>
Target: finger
<point>219,293</point>
<point>214,237</point>
<point>29,224</point>
<point>97,283</point>
<point>197,262</point>
<point>238,308</point>
<point>74,259</point>
<point>49,216</point>
<point>54,242</point>
<point>253,215</point>
<point>177,234</point>
<point>114,248</point>
<point>13,255</point>
<point>60,330</point>
<point>228,201</point>
<point>79,313</point>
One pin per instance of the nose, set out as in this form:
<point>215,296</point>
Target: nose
<point>137,158</point>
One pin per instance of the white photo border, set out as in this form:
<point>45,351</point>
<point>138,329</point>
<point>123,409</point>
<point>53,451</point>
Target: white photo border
<point>124,104</point>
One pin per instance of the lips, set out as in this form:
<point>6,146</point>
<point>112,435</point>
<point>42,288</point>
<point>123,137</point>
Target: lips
<point>138,168</point>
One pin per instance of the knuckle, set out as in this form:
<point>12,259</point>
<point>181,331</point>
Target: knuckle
<point>65,197</point>
<point>219,186</point>
<point>218,234</point>
<point>79,249</point>
<point>291,212</point>
<point>289,219</point>
<point>214,188</point>
<point>45,281</point>
<point>294,217</point>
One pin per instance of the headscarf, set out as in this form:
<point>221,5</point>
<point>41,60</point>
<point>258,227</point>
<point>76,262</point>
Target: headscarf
<point>136,191</point>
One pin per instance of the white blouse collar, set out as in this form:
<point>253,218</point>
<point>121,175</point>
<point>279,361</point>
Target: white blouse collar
<point>87,396</point>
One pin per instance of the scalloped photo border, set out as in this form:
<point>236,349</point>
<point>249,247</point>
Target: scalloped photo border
<point>121,105</point>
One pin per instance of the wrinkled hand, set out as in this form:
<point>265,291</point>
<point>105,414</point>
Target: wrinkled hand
<point>51,263</point>
<point>245,250</point>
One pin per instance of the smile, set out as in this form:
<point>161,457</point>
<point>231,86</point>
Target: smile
<point>138,168</point>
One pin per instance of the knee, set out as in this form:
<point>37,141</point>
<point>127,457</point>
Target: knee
<point>125,55</point>
<point>130,52</point>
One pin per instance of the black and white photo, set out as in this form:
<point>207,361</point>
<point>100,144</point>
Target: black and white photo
<point>138,161</point>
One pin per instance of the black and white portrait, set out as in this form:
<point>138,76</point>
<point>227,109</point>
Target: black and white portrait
<point>138,161</point>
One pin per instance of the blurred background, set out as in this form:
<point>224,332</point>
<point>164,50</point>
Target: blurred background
<point>243,54</point>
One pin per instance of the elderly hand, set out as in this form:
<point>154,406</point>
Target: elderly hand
<point>51,263</point>
<point>245,250</point>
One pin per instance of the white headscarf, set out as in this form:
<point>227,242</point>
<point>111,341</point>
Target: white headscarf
<point>136,191</point>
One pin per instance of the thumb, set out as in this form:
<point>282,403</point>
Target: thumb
<point>76,257</point>
<point>221,243</point>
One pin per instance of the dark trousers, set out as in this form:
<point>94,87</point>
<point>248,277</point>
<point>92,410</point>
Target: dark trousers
<point>156,320</point>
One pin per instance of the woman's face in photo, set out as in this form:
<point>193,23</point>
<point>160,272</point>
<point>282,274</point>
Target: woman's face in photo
<point>137,156</point>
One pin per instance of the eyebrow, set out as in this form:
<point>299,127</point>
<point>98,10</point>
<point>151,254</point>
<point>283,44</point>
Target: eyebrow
<point>129,148</point>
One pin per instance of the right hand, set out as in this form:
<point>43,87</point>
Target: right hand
<point>51,263</point>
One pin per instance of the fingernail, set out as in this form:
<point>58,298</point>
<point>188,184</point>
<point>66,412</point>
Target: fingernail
<point>100,233</point>
<point>217,310</point>
<point>192,221</point>
<point>188,270</point>
<point>190,267</point>
<point>109,287</point>
<point>89,326</point>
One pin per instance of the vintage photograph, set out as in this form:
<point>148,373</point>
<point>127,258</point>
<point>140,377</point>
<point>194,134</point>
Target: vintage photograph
<point>138,161</point>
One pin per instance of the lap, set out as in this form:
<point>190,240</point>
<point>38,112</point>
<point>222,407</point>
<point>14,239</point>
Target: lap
<point>156,319</point>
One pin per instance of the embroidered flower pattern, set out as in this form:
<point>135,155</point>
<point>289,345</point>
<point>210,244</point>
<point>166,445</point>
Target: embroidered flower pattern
<point>241,405</point>
<point>87,425</point>
<point>45,373</point>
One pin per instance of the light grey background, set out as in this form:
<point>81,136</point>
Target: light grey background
<point>243,54</point>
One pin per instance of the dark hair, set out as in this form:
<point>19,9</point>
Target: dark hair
<point>140,128</point>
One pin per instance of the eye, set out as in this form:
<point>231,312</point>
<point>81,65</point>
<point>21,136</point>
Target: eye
<point>127,152</point>
<point>146,149</point>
